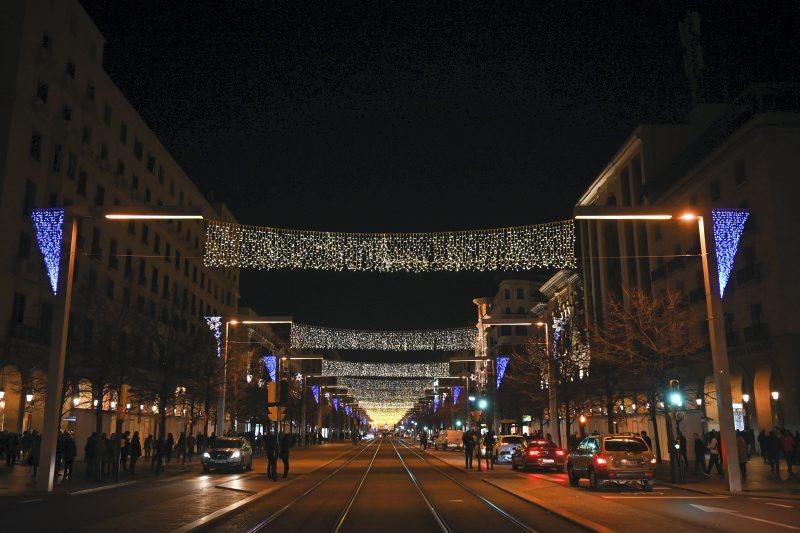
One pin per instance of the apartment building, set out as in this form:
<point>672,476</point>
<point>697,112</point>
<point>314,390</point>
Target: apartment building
<point>741,155</point>
<point>68,136</point>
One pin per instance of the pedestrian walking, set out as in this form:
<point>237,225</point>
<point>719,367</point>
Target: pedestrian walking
<point>124,450</point>
<point>646,438</point>
<point>107,453</point>
<point>271,449</point>
<point>774,450</point>
<point>190,446</point>
<point>160,454</point>
<point>741,451</point>
<point>489,441</point>
<point>787,448</point>
<point>70,452</point>
<point>478,447</point>
<point>684,453</point>
<point>148,447</point>
<point>33,455</point>
<point>135,452</point>
<point>90,454</point>
<point>699,454</point>
<point>170,446</point>
<point>762,445</point>
<point>12,449</point>
<point>713,457</point>
<point>283,451</point>
<point>180,448</point>
<point>423,440</point>
<point>468,443</point>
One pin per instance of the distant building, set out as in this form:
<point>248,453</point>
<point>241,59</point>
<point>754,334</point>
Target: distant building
<point>68,136</point>
<point>738,155</point>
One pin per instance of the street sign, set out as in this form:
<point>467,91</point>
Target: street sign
<point>276,413</point>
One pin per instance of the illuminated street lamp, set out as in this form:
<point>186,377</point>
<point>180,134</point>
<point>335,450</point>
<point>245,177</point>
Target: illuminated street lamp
<point>727,225</point>
<point>29,397</point>
<point>776,395</point>
<point>76,401</point>
<point>745,397</point>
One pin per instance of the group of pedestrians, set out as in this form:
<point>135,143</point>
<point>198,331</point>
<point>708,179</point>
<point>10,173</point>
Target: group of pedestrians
<point>480,446</point>
<point>277,445</point>
<point>779,444</point>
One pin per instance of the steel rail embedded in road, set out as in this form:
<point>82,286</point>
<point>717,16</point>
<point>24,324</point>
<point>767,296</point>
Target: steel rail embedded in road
<point>491,505</point>
<point>343,516</point>
<point>271,518</point>
<point>436,515</point>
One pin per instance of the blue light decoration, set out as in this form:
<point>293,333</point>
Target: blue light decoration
<point>728,225</point>
<point>315,392</point>
<point>336,404</point>
<point>49,226</point>
<point>502,363</point>
<point>271,364</point>
<point>435,403</point>
<point>347,409</point>
<point>456,393</point>
<point>215,325</point>
<point>559,325</point>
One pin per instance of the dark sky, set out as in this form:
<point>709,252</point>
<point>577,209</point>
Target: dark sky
<point>411,116</point>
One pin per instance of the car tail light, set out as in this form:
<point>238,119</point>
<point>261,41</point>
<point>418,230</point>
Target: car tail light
<point>560,453</point>
<point>533,453</point>
<point>600,460</point>
<point>653,461</point>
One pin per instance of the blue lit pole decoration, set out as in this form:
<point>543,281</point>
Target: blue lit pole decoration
<point>51,234</point>
<point>728,225</point>
<point>315,392</point>
<point>49,227</point>
<point>502,363</point>
<point>215,325</point>
<point>271,364</point>
<point>456,393</point>
<point>335,403</point>
<point>435,403</point>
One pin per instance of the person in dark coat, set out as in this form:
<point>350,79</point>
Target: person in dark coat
<point>283,451</point>
<point>271,449</point>
<point>762,445</point>
<point>135,452</point>
<point>468,443</point>
<point>699,454</point>
<point>90,453</point>
<point>684,453</point>
<point>489,441</point>
<point>33,457</point>
<point>69,455</point>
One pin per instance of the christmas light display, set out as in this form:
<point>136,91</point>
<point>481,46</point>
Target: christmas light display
<point>49,227</point>
<point>456,393</point>
<point>384,389</point>
<point>304,336</point>
<point>315,392</point>
<point>436,403</point>
<point>502,363</point>
<point>335,403</point>
<point>728,225</point>
<point>386,370</point>
<point>550,245</point>
<point>215,325</point>
<point>271,364</point>
<point>559,324</point>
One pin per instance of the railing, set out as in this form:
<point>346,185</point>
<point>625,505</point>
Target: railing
<point>756,333</point>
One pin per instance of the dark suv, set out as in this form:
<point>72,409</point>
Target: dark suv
<point>614,458</point>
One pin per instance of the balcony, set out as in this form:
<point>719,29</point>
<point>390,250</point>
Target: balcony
<point>756,333</point>
<point>749,273</point>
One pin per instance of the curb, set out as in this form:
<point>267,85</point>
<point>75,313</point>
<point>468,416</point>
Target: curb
<point>579,521</point>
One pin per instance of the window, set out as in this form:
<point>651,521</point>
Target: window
<point>157,243</point>
<point>714,190</point>
<point>66,113</point>
<point>41,92</point>
<point>107,115</point>
<point>82,183</point>
<point>18,308</point>
<point>161,174</point>
<point>104,151</point>
<point>71,69</point>
<point>167,252</point>
<point>145,235</point>
<point>86,137</point>
<point>57,158</point>
<point>505,331</point>
<point>126,297</point>
<point>521,331</point>
<point>507,294</point>
<point>72,165</point>
<point>134,182</point>
<point>520,294</point>
<point>128,263</point>
<point>36,146</point>
<point>120,167</point>
<point>90,91</point>
<point>45,41</point>
<point>165,291</point>
<point>100,195</point>
<point>147,194</point>
<point>142,272</point>
<point>95,251</point>
<point>110,289</point>
<point>123,133</point>
<point>521,310</point>
<point>24,250</point>
<point>131,228</point>
<point>137,148</point>
<point>113,260</point>
<point>151,163</point>
<point>154,280</point>
<point>29,200</point>
<point>177,260</point>
<point>739,172</point>
<point>756,314</point>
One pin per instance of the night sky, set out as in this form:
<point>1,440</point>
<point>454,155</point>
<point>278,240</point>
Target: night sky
<point>414,117</point>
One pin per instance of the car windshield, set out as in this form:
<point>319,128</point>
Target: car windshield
<point>513,440</point>
<point>541,444</point>
<point>228,443</point>
<point>625,445</point>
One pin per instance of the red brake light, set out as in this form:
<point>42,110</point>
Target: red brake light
<point>533,453</point>
<point>600,460</point>
<point>559,452</point>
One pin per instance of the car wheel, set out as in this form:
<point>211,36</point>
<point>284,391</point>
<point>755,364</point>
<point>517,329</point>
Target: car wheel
<point>593,483</point>
<point>574,478</point>
<point>205,469</point>
<point>647,486</point>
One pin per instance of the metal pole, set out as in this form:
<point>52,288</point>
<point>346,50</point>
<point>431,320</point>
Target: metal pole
<point>303,417</point>
<point>719,356</point>
<point>221,401</point>
<point>552,397</point>
<point>55,368</point>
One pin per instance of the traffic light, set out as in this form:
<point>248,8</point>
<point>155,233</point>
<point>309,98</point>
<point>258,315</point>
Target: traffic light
<point>483,403</point>
<point>674,394</point>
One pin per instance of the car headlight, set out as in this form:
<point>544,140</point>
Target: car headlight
<point>236,454</point>
<point>206,455</point>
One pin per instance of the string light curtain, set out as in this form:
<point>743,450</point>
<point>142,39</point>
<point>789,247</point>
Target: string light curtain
<point>550,245</point>
<point>386,370</point>
<point>304,336</point>
<point>728,225</point>
<point>49,227</point>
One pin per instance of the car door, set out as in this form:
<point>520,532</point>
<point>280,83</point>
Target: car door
<point>576,457</point>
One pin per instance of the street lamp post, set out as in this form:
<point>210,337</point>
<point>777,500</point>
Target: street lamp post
<point>552,394</point>
<point>716,326</point>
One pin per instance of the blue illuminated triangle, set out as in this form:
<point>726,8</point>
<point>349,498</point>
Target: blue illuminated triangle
<point>502,363</point>
<point>728,225</point>
<point>49,226</point>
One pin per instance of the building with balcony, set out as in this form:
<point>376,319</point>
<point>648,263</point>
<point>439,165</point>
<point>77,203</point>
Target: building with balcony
<point>68,136</point>
<point>740,155</point>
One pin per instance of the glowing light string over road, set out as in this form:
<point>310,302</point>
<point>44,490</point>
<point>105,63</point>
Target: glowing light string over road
<point>49,227</point>
<point>386,370</point>
<point>550,245</point>
<point>728,225</point>
<point>308,337</point>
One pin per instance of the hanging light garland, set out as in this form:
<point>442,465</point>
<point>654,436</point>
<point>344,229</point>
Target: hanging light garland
<point>550,245</point>
<point>308,337</point>
<point>386,370</point>
<point>728,225</point>
<point>49,227</point>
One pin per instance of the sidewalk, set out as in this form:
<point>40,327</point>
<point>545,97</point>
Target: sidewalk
<point>760,481</point>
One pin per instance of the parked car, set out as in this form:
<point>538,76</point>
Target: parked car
<point>448,438</point>
<point>505,446</point>
<point>614,458</point>
<point>228,452</point>
<point>539,453</point>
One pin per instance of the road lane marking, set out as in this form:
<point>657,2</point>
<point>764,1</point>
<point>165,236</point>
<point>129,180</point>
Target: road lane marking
<point>31,501</point>
<point>456,501</point>
<point>780,505</point>
<point>731,512</point>
<point>104,487</point>
<point>648,497</point>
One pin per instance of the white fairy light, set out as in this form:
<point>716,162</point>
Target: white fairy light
<point>304,336</point>
<point>550,245</point>
<point>387,370</point>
